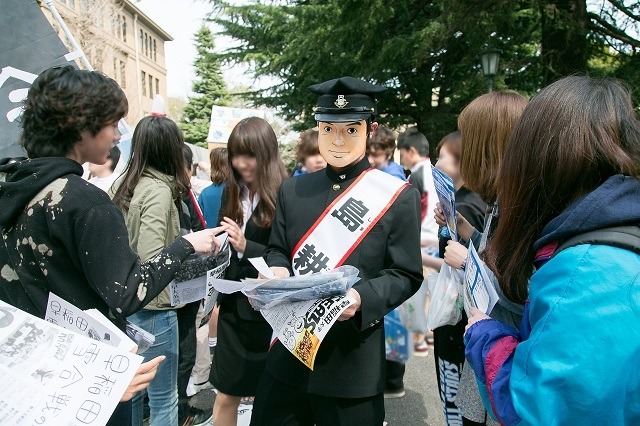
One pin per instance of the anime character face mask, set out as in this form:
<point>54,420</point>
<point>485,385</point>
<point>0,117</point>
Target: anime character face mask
<point>342,144</point>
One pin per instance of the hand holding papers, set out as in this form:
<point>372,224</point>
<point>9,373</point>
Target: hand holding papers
<point>191,282</point>
<point>300,309</point>
<point>478,289</point>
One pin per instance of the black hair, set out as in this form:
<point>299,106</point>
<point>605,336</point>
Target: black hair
<point>114,156</point>
<point>412,138</point>
<point>157,143</point>
<point>188,157</point>
<point>63,102</point>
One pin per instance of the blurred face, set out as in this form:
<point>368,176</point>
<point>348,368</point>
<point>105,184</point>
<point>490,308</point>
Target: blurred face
<point>314,163</point>
<point>378,159</point>
<point>101,170</point>
<point>342,144</point>
<point>246,166</point>
<point>95,148</point>
<point>448,164</point>
<point>409,158</point>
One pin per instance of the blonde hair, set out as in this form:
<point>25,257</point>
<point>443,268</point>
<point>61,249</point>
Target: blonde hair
<point>486,125</point>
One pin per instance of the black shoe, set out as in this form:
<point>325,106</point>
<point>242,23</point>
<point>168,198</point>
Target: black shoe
<point>394,393</point>
<point>198,417</point>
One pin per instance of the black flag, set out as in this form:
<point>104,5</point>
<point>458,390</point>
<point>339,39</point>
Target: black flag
<point>28,46</point>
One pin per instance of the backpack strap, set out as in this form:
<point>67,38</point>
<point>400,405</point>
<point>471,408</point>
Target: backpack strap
<point>624,237</point>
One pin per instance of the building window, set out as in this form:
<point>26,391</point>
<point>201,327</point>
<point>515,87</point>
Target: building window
<point>72,4</point>
<point>141,41</point>
<point>146,44</point>
<point>144,83</point>
<point>124,28</point>
<point>123,74</point>
<point>114,24</point>
<point>115,69</point>
<point>154,50</point>
<point>157,86</point>
<point>150,86</point>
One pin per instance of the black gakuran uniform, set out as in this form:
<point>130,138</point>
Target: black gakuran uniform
<point>346,385</point>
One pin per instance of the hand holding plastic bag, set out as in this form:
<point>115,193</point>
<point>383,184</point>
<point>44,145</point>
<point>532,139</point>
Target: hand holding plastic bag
<point>446,298</point>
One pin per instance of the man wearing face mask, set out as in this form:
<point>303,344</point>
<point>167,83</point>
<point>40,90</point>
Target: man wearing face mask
<point>346,214</point>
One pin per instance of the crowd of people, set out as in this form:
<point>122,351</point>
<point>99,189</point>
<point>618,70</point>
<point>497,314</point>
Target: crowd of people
<point>546,190</point>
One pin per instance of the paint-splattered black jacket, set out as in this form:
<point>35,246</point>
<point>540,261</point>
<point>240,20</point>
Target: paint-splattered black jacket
<point>64,235</point>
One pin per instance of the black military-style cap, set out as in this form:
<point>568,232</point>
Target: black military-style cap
<point>345,99</point>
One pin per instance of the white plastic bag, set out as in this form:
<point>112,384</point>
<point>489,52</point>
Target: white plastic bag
<point>413,312</point>
<point>446,298</point>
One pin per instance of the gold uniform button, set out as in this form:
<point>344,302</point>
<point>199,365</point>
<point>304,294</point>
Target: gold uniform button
<point>336,187</point>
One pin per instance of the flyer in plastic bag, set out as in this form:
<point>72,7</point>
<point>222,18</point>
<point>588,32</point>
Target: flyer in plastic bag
<point>301,326</point>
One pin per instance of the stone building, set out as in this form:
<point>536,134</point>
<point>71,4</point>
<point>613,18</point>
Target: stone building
<point>122,42</point>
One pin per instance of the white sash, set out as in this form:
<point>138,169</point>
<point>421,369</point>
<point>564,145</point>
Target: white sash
<point>346,222</point>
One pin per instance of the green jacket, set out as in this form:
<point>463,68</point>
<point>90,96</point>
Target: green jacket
<point>153,222</point>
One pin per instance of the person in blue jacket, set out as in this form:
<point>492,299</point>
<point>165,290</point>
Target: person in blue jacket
<point>210,199</point>
<point>380,150</point>
<point>571,168</point>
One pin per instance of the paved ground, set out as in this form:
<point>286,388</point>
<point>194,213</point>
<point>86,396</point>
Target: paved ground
<point>419,407</point>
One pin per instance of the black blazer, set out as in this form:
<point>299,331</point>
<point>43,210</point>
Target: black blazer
<point>351,359</point>
<point>257,240</point>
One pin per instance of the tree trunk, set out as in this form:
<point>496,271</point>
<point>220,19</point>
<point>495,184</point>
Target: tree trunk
<point>564,38</point>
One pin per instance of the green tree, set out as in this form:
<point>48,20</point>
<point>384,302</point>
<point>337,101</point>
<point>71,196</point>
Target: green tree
<point>426,53</point>
<point>209,89</point>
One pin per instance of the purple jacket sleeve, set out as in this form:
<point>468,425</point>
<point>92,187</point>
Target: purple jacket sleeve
<point>490,346</point>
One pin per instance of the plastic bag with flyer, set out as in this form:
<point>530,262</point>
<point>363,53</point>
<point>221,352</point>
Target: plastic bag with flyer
<point>446,298</point>
<point>398,342</point>
<point>413,312</point>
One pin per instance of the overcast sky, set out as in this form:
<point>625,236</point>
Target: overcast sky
<point>181,19</point>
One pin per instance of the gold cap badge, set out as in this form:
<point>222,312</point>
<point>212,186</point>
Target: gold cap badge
<point>341,102</point>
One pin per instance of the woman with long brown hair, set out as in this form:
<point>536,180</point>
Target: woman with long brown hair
<point>570,173</point>
<point>149,195</point>
<point>485,125</point>
<point>247,212</point>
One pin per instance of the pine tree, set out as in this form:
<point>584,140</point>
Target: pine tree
<point>209,89</point>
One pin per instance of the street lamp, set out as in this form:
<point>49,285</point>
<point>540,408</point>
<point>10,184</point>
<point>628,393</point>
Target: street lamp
<point>490,61</point>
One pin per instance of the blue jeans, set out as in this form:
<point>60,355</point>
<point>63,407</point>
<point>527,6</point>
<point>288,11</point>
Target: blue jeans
<point>163,389</point>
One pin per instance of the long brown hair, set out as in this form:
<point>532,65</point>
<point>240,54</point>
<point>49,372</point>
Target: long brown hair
<point>253,136</point>
<point>574,135</point>
<point>219,159</point>
<point>486,125</point>
<point>157,142</point>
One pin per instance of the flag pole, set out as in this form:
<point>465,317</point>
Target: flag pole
<point>67,33</point>
<point>83,58</point>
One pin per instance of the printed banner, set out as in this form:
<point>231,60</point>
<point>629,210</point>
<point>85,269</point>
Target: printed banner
<point>28,46</point>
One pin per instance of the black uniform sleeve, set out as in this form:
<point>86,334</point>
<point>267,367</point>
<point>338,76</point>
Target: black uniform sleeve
<point>277,251</point>
<point>195,223</point>
<point>402,275</point>
<point>113,270</point>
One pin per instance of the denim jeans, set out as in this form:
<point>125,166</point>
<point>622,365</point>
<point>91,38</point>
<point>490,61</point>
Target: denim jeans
<point>187,353</point>
<point>163,389</point>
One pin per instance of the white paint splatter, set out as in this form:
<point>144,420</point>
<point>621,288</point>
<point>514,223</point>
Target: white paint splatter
<point>51,192</point>
<point>29,212</point>
<point>9,274</point>
<point>42,248</point>
<point>142,291</point>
